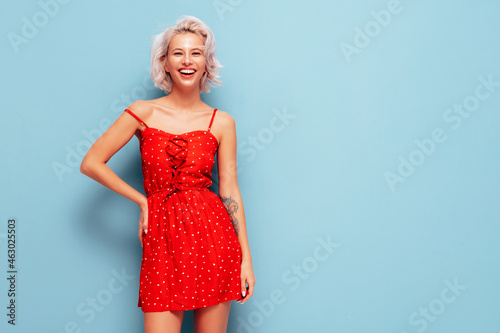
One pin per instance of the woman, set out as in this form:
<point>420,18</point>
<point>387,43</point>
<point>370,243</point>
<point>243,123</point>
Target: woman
<point>196,254</point>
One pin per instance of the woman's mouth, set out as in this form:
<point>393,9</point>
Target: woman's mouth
<point>187,73</point>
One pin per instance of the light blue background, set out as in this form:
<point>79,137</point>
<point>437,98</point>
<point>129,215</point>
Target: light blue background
<point>320,176</point>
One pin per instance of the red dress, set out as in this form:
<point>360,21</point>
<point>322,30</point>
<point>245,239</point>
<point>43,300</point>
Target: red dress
<point>191,254</point>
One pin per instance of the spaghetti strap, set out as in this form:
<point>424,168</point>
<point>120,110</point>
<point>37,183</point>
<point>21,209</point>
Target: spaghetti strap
<point>133,115</point>
<point>211,120</point>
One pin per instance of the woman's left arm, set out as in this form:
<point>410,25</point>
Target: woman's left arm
<point>230,195</point>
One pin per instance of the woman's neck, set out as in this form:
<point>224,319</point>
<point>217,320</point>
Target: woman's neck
<point>185,100</point>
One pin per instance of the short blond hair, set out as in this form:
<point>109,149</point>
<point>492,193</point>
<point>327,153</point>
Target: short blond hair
<point>161,41</point>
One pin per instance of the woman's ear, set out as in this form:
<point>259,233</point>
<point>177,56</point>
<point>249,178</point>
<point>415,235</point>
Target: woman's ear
<point>165,65</point>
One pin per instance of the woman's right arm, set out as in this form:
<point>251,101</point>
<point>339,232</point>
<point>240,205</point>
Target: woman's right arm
<point>94,163</point>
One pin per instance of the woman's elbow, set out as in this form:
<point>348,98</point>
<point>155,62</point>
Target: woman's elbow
<point>86,166</point>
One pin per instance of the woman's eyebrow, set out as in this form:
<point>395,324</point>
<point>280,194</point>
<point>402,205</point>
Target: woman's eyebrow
<point>194,48</point>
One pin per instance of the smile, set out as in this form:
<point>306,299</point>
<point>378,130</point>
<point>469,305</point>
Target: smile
<point>187,71</point>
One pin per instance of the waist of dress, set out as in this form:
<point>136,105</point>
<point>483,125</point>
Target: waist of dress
<point>171,190</point>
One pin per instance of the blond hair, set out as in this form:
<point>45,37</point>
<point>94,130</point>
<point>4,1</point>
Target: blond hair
<point>161,41</point>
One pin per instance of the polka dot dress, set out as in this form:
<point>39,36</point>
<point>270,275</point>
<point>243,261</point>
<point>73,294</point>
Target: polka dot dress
<point>191,254</point>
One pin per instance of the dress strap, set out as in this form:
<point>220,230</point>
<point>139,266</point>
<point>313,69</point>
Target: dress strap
<point>211,120</point>
<point>133,115</point>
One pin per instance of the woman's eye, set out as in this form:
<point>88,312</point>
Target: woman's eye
<point>177,53</point>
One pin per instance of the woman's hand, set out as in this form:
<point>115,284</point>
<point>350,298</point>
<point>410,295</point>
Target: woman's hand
<point>143,222</point>
<point>247,277</point>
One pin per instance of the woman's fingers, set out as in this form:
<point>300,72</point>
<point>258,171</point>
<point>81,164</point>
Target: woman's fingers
<point>140,233</point>
<point>246,289</point>
<point>143,224</point>
<point>250,289</point>
<point>243,288</point>
<point>247,282</point>
<point>243,291</point>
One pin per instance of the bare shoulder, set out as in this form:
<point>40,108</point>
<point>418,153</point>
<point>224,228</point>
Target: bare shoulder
<point>225,120</point>
<point>225,125</point>
<point>141,108</point>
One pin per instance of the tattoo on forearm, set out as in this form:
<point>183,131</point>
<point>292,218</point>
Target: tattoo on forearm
<point>232,208</point>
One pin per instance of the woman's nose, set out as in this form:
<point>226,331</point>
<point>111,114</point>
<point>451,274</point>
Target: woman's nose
<point>187,59</point>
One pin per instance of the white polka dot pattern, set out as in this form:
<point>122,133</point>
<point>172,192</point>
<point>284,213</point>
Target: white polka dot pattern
<point>191,254</point>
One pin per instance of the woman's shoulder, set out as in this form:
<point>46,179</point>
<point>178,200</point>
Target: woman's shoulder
<point>141,108</point>
<point>224,118</point>
<point>224,123</point>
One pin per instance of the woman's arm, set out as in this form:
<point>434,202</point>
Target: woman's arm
<point>231,197</point>
<point>94,162</point>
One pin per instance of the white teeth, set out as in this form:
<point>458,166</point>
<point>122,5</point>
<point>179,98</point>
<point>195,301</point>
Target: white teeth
<point>187,71</point>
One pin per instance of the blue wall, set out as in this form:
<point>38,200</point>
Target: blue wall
<point>369,161</point>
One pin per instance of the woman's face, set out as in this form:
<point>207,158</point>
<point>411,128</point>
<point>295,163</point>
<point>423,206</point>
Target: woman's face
<point>185,60</point>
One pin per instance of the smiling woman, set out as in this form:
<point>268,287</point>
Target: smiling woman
<point>204,47</point>
<point>196,254</point>
<point>186,60</point>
